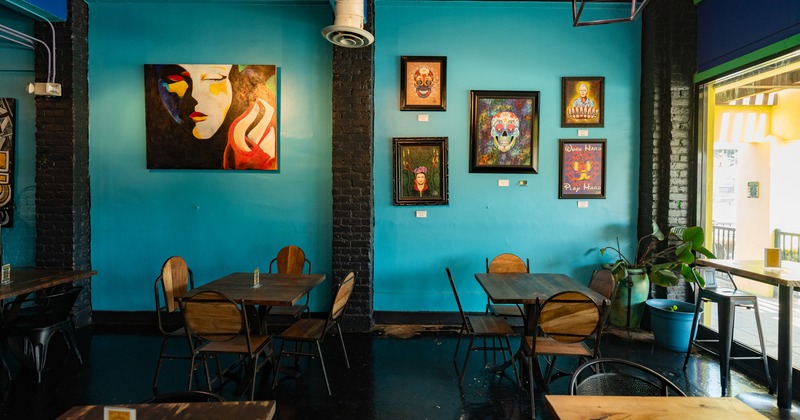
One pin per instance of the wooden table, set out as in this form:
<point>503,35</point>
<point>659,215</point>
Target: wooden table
<point>275,289</point>
<point>28,280</point>
<point>786,278</point>
<point>526,288</point>
<point>571,407</point>
<point>175,411</point>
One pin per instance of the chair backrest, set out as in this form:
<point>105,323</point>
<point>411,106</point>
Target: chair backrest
<point>184,396</point>
<point>607,376</point>
<point>603,282</point>
<point>175,278</point>
<point>342,296</point>
<point>569,317</point>
<point>455,293</point>
<point>507,263</point>
<point>212,316</point>
<point>290,260</point>
<point>61,304</point>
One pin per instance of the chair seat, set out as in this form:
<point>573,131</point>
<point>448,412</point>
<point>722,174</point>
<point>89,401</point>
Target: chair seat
<point>549,346</point>
<point>734,295</point>
<point>505,310</point>
<point>304,330</point>
<point>237,344</point>
<point>483,325</point>
<point>295,310</point>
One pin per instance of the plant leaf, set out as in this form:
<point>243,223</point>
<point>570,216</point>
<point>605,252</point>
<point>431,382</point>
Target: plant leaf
<point>690,275</point>
<point>657,232</point>
<point>694,235</point>
<point>663,278</point>
<point>704,251</point>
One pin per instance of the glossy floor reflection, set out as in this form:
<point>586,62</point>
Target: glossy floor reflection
<point>396,373</point>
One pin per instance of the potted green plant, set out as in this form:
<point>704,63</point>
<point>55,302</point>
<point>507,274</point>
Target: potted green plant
<point>658,257</point>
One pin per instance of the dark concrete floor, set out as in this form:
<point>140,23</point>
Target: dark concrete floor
<point>396,373</point>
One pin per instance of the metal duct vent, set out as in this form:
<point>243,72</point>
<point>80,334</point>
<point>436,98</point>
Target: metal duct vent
<point>348,27</point>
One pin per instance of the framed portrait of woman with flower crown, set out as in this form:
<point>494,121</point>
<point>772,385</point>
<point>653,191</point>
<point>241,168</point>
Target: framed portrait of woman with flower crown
<point>420,171</point>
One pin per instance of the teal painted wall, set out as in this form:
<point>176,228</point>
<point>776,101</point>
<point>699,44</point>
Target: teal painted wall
<point>16,71</point>
<point>499,46</point>
<point>219,221</point>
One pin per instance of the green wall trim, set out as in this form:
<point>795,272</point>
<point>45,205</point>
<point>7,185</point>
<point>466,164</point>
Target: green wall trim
<point>749,58</point>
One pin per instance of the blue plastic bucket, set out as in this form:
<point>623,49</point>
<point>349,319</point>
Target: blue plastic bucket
<point>671,328</point>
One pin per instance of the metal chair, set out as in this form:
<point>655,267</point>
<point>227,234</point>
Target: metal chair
<point>481,326</point>
<point>216,324</point>
<point>727,300</point>
<point>566,321</point>
<point>620,377</point>
<point>175,278</point>
<point>28,336</point>
<point>290,260</point>
<point>308,330</point>
<point>506,263</point>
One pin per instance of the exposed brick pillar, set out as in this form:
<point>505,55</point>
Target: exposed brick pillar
<point>667,187</point>
<point>353,203</point>
<point>62,154</point>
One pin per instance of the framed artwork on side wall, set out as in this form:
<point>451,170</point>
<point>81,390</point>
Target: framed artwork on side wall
<point>582,168</point>
<point>504,131</point>
<point>420,171</point>
<point>423,83</point>
<point>582,101</point>
<point>211,116</point>
<point>7,143</point>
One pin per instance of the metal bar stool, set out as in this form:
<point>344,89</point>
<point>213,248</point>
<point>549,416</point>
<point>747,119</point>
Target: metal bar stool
<point>727,300</point>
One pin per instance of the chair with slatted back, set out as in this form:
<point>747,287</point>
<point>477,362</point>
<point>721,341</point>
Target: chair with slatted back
<point>506,263</point>
<point>481,326</point>
<point>215,325</point>
<point>314,330</point>
<point>175,278</point>
<point>290,260</point>
<point>567,321</point>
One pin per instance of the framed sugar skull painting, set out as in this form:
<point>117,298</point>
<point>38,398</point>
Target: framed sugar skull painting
<point>582,101</point>
<point>582,168</point>
<point>504,131</point>
<point>420,171</point>
<point>423,83</point>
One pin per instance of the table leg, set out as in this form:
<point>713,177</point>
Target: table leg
<point>725,334</point>
<point>785,347</point>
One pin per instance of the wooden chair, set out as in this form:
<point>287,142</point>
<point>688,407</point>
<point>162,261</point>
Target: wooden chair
<point>620,377</point>
<point>175,278</point>
<point>290,260</point>
<point>603,282</point>
<point>506,263</point>
<point>308,330</point>
<point>216,324</point>
<point>566,320</point>
<point>481,326</point>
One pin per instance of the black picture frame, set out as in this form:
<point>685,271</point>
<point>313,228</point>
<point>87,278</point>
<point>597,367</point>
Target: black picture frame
<point>423,83</point>
<point>583,108</point>
<point>582,168</point>
<point>415,156</point>
<point>500,151</point>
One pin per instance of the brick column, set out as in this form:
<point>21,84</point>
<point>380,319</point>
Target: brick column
<point>353,204</point>
<point>667,186</point>
<point>62,154</point>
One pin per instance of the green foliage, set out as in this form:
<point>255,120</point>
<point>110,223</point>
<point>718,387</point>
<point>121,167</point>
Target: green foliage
<point>662,255</point>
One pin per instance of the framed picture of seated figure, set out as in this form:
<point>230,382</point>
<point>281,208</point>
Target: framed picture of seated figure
<point>582,168</point>
<point>582,101</point>
<point>420,171</point>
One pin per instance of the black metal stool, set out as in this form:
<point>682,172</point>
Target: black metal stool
<point>727,300</point>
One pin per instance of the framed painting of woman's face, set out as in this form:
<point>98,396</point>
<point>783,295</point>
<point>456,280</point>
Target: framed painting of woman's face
<point>420,171</point>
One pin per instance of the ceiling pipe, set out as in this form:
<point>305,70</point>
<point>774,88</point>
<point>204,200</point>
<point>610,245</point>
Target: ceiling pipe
<point>348,26</point>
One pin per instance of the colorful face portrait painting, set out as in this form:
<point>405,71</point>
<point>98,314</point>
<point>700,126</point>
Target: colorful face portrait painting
<point>582,169</point>
<point>504,131</point>
<point>420,171</point>
<point>7,112</point>
<point>423,83</point>
<point>582,101</point>
<point>211,116</point>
